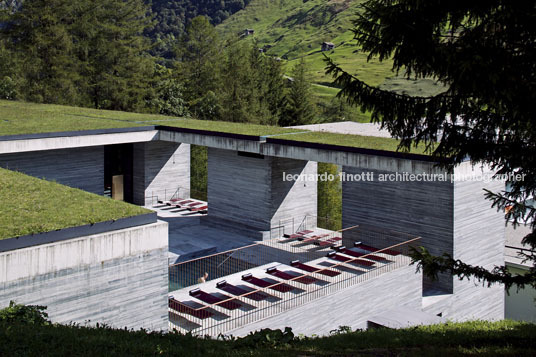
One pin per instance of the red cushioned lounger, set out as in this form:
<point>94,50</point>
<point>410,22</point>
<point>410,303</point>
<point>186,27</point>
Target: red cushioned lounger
<point>286,276</point>
<point>197,209</point>
<point>305,232</point>
<point>212,299</point>
<point>181,307</point>
<point>281,287</point>
<point>181,203</point>
<point>328,242</point>
<point>313,238</point>
<point>292,238</point>
<point>372,249</point>
<point>235,290</point>
<point>176,199</point>
<point>342,258</point>
<point>311,269</point>
<point>353,253</point>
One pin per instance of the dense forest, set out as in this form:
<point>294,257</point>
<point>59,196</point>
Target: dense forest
<point>173,17</point>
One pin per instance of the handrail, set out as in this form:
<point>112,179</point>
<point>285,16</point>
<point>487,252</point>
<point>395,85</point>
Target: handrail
<point>304,275</point>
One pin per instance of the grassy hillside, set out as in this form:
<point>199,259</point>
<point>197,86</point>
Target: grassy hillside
<point>291,29</point>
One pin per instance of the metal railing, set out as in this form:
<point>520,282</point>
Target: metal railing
<point>235,308</point>
<point>297,224</point>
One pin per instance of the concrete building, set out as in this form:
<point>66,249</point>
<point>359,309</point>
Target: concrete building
<point>247,195</point>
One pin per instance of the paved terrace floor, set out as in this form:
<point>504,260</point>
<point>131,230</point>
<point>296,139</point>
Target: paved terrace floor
<point>191,236</point>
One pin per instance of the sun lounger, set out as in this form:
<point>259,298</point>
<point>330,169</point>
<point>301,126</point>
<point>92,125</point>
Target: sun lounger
<point>235,290</point>
<point>213,299</point>
<point>185,309</point>
<point>176,199</point>
<point>313,238</point>
<point>281,287</point>
<point>291,238</point>
<point>372,249</point>
<point>342,258</point>
<point>198,209</point>
<point>178,204</point>
<point>353,253</point>
<point>312,269</point>
<point>286,276</point>
<point>304,232</point>
<point>328,242</point>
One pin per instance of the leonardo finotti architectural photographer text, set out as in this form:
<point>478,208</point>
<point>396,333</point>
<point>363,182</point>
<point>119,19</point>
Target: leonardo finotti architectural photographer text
<point>401,177</point>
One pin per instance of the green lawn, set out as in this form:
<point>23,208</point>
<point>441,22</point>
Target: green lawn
<point>452,339</point>
<point>357,141</point>
<point>30,205</point>
<point>30,118</point>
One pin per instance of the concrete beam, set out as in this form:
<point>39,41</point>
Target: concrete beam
<point>76,141</point>
<point>218,142</point>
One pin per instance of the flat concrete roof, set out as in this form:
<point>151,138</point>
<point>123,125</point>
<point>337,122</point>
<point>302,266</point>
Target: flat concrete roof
<point>348,127</point>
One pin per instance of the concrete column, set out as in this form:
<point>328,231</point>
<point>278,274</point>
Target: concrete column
<point>81,168</point>
<point>248,191</point>
<point>160,169</point>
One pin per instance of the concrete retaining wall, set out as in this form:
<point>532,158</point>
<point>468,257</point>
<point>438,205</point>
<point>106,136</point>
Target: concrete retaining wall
<point>119,278</point>
<point>78,167</point>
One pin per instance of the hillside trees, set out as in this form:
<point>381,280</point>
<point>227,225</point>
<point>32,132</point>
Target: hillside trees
<point>483,52</point>
<point>174,16</point>
<point>81,53</point>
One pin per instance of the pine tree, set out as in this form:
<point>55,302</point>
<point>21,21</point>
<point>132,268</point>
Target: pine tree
<point>300,109</point>
<point>243,91</point>
<point>273,84</point>
<point>114,50</point>
<point>198,56</point>
<point>39,36</point>
<point>82,53</point>
<point>483,53</point>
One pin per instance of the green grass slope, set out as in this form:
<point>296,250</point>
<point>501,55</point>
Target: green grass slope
<point>453,339</point>
<point>292,29</point>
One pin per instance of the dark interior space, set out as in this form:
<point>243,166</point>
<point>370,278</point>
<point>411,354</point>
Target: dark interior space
<point>117,162</point>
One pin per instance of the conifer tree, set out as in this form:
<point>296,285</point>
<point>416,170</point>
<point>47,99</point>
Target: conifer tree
<point>483,54</point>
<point>118,69</point>
<point>39,36</point>
<point>198,56</point>
<point>300,109</point>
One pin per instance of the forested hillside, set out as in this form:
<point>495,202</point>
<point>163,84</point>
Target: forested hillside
<point>173,16</point>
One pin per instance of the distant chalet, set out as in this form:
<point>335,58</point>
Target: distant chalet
<point>328,46</point>
<point>248,32</point>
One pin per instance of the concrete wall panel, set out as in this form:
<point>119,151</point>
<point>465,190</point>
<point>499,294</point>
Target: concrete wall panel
<point>78,167</point>
<point>119,278</point>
